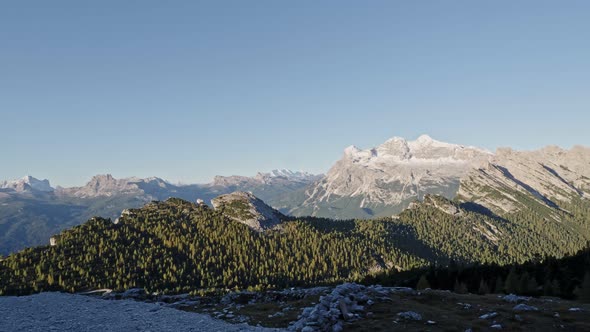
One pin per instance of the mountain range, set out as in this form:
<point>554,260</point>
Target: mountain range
<point>30,209</point>
<point>365,183</point>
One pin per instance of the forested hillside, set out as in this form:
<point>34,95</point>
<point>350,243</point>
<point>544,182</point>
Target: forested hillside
<point>177,246</point>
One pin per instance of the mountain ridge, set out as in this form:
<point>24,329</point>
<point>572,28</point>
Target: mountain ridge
<point>378,182</point>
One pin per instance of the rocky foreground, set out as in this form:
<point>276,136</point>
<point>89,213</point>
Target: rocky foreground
<point>68,312</point>
<point>347,307</point>
<point>353,307</point>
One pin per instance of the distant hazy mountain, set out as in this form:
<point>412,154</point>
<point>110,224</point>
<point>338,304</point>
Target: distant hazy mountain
<point>31,210</point>
<point>384,180</point>
<point>148,189</point>
<point>27,183</point>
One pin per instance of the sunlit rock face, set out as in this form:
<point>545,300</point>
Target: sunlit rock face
<point>384,180</point>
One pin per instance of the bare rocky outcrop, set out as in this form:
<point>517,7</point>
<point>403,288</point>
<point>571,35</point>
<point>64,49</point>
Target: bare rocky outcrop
<point>246,208</point>
<point>438,202</point>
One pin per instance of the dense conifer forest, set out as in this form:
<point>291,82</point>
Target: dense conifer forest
<point>178,247</point>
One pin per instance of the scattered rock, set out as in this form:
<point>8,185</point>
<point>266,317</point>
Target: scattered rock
<point>406,290</point>
<point>496,326</point>
<point>277,314</point>
<point>489,315</point>
<point>465,306</point>
<point>344,303</point>
<point>133,293</point>
<point>343,308</point>
<point>575,309</point>
<point>512,298</point>
<point>524,307</point>
<point>410,315</point>
<point>183,303</point>
<point>430,322</point>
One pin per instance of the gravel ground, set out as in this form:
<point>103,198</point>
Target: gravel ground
<point>69,312</point>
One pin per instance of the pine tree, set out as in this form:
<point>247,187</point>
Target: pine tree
<point>499,286</point>
<point>483,287</point>
<point>583,291</point>
<point>511,284</point>
<point>460,288</point>
<point>422,283</point>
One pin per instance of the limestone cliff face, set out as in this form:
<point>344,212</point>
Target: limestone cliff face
<point>513,180</point>
<point>390,176</point>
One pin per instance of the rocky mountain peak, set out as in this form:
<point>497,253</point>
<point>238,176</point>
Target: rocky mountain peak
<point>383,180</point>
<point>397,147</point>
<point>101,180</point>
<point>103,185</point>
<point>246,208</point>
<point>27,183</point>
<point>351,149</point>
<point>423,149</point>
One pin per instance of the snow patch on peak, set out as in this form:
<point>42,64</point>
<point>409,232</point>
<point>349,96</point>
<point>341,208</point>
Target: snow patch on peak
<point>425,141</point>
<point>424,138</point>
<point>395,139</point>
<point>396,146</point>
<point>351,150</point>
<point>27,183</point>
<point>423,149</point>
<point>153,179</point>
<point>289,174</point>
<point>28,179</point>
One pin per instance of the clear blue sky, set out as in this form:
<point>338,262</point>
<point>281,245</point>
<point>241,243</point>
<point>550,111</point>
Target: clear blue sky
<point>186,90</point>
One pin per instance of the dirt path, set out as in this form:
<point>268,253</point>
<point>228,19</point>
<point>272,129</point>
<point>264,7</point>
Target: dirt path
<point>68,312</point>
